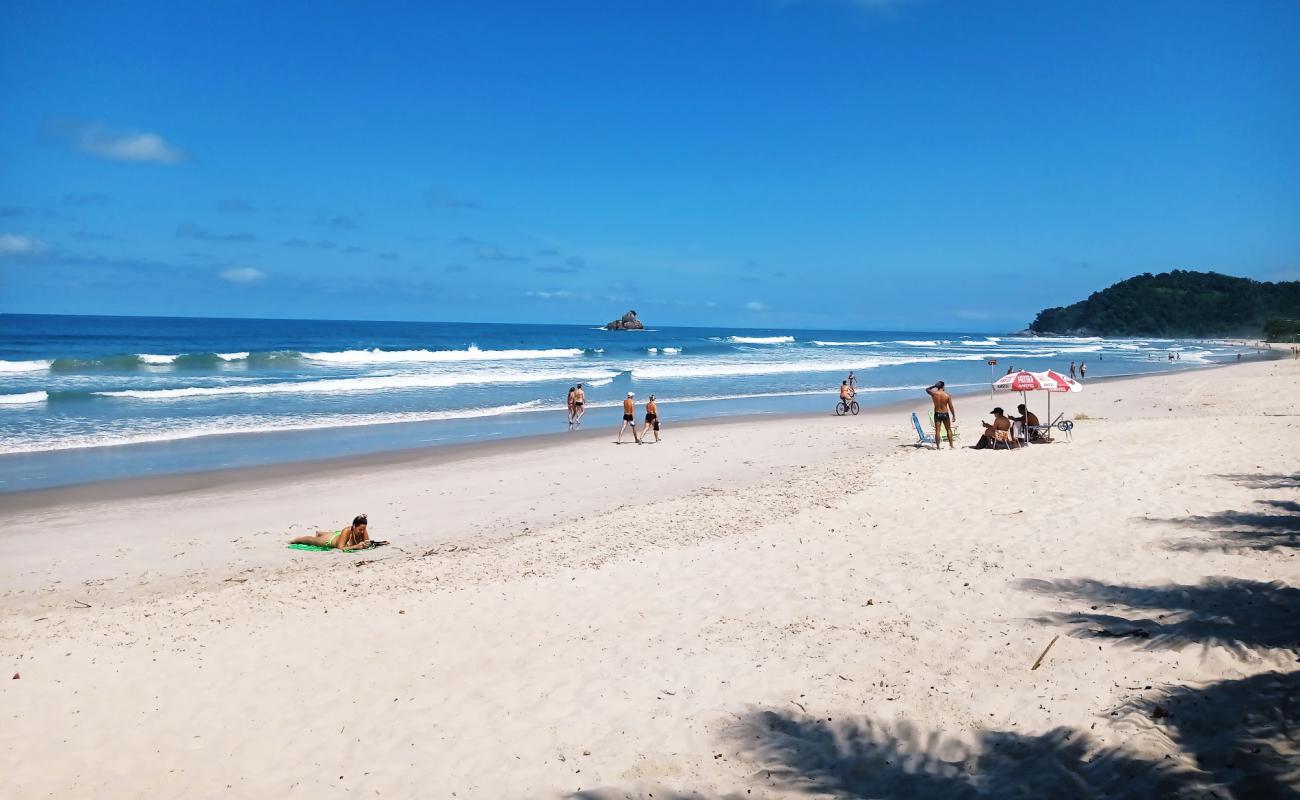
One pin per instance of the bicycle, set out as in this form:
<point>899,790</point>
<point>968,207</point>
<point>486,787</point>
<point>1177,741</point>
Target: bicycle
<point>842,408</point>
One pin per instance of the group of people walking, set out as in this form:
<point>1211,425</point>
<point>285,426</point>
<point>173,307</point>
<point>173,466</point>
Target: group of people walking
<point>577,407</point>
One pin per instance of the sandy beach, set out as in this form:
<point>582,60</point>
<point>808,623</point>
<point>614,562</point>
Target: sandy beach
<point>765,608</point>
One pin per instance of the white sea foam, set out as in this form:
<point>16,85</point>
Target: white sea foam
<point>922,342</point>
<point>150,358</point>
<point>167,430</point>
<point>233,356</point>
<point>732,368</point>
<point>24,366</point>
<point>472,353</point>
<point>378,383</point>
<point>760,339</point>
<point>845,344</point>
<point>25,398</point>
<point>668,351</point>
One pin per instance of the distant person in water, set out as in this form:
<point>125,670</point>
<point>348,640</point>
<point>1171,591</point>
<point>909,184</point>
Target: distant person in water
<point>1010,370</point>
<point>353,537</point>
<point>629,416</point>
<point>1083,370</point>
<point>945,413</point>
<point>579,405</point>
<point>651,419</point>
<point>1071,369</point>
<point>569,404</point>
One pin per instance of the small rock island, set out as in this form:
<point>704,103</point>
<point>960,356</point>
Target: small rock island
<point>627,322</point>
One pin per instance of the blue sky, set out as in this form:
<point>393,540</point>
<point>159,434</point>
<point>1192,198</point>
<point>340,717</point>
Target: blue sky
<point>815,163</point>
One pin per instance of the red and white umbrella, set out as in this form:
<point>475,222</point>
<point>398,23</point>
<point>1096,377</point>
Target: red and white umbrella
<point>1024,381</point>
<point>1064,384</point>
<point>1048,381</point>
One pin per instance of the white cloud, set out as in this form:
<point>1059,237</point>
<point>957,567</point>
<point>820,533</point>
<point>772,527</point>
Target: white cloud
<point>754,305</point>
<point>14,245</point>
<point>242,275</point>
<point>96,139</point>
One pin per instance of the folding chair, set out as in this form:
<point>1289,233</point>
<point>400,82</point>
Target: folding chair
<point>921,435</point>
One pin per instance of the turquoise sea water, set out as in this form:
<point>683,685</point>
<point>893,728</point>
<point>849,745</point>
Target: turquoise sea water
<point>89,398</point>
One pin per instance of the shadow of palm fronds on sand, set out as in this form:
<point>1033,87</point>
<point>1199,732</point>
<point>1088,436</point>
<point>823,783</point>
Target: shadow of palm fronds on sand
<point>1275,527</point>
<point>794,754</point>
<point>1244,734</point>
<point>1236,614</point>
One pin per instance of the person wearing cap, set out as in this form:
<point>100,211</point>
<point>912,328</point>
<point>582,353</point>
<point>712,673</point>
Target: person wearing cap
<point>1000,423</point>
<point>629,415</point>
<point>651,419</point>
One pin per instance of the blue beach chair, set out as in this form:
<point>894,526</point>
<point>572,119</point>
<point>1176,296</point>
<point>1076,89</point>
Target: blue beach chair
<point>924,437</point>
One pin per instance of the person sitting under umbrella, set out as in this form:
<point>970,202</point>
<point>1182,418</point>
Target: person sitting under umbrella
<point>1001,425</point>
<point>1030,420</point>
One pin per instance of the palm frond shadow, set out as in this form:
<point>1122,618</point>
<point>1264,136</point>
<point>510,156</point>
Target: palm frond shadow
<point>794,753</point>
<point>1232,613</point>
<point>1239,530</point>
<point>864,758</point>
<point>1258,481</point>
<point>1244,733</point>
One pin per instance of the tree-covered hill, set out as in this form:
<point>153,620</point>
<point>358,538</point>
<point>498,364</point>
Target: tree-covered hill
<point>1178,303</point>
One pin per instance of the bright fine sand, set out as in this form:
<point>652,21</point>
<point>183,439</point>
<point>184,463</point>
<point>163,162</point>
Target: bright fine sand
<point>771,608</point>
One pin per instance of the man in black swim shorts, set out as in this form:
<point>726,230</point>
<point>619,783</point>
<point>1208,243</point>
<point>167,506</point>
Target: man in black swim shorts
<point>629,415</point>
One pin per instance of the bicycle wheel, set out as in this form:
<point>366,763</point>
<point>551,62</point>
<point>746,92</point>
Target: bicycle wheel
<point>854,407</point>
<point>840,409</point>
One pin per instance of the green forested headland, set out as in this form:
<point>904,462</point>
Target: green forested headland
<point>1181,303</point>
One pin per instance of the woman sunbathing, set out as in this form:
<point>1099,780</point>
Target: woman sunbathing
<point>353,537</point>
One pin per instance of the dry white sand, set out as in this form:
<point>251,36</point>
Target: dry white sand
<point>772,608</point>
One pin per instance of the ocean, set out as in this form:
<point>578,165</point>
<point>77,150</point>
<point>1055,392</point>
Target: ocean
<point>91,398</point>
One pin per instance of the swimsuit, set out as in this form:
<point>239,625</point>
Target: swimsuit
<point>629,418</point>
<point>337,534</point>
<point>941,416</point>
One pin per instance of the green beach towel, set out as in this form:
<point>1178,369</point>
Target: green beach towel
<point>373,545</point>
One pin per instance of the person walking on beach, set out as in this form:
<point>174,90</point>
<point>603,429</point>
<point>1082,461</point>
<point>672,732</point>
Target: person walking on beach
<point>629,415</point>
<point>853,383</point>
<point>1083,370</point>
<point>579,399</point>
<point>568,403</point>
<point>945,413</point>
<point>1071,370</point>
<point>651,419</point>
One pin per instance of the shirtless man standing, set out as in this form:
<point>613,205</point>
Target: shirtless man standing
<point>651,419</point>
<point>578,400</point>
<point>945,413</point>
<point>629,415</point>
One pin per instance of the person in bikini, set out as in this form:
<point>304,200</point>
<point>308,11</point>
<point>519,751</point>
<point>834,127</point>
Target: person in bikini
<point>651,419</point>
<point>579,398</point>
<point>568,403</point>
<point>846,393</point>
<point>353,537</point>
<point>945,413</point>
<point>629,416</point>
